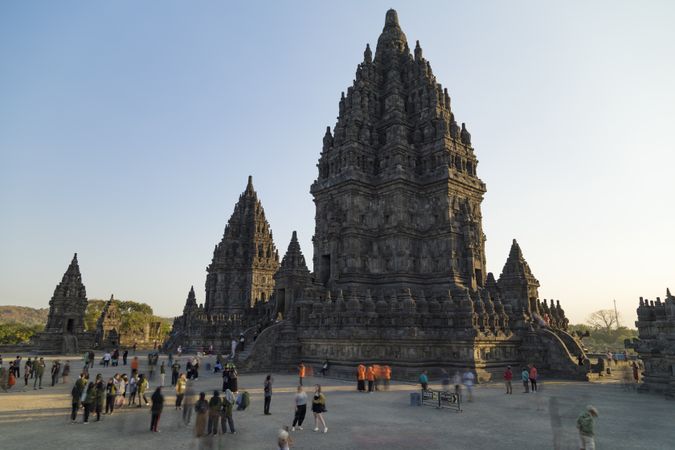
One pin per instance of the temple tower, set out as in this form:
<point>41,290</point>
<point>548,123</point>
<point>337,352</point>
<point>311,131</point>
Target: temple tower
<point>517,286</point>
<point>397,195</point>
<point>244,262</point>
<point>291,279</point>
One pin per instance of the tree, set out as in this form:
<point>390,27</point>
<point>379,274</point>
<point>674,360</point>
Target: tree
<point>604,319</point>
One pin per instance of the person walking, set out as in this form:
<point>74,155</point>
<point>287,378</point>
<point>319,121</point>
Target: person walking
<point>324,368</point>
<point>56,368</point>
<point>361,378</point>
<point>424,380</point>
<point>134,365</point>
<point>525,377</point>
<point>27,369</point>
<point>181,386</point>
<point>226,412</point>
<point>508,376</point>
<point>99,397</point>
<point>533,377</point>
<point>115,357</point>
<point>300,408</point>
<point>318,408</point>
<point>215,405</point>
<point>110,391</point>
<point>125,355</point>
<point>585,427</point>
<point>39,372</point>
<point>88,401</point>
<point>268,394</point>
<point>142,387</point>
<point>162,373</point>
<point>156,409</point>
<point>76,394</point>
<point>202,412</point>
<point>370,376</point>
<point>175,370</point>
<point>301,371</point>
<point>133,389</point>
<point>468,378</point>
<point>65,372</point>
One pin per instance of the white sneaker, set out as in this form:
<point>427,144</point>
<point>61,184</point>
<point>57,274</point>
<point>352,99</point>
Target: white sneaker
<point>300,428</point>
<point>325,430</point>
<point>292,428</point>
<point>316,429</point>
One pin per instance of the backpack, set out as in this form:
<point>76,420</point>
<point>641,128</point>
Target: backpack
<point>245,400</point>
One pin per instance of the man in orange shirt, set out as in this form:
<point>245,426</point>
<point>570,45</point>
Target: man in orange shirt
<point>134,365</point>
<point>370,375</point>
<point>301,371</point>
<point>361,378</point>
<point>387,377</point>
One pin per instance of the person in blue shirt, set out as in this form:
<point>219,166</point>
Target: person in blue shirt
<point>424,380</point>
<point>525,376</point>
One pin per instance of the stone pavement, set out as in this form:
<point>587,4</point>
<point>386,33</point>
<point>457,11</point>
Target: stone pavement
<point>31,419</point>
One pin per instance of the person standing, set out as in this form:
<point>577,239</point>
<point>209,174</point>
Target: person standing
<point>181,386</point>
<point>360,378</point>
<point>318,408</point>
<point>226,412</point>
<point>445,380</point>
<point>525,377</point>
<point>387,377</point>
<point>370,376</point>
<point>533,377</point>
<point>26,372</point>
<point>106,358</point>
<point>115,357</point>
<point>508,376</point>
<point>56,367</point>
<point>233,347</point>
<point>242,342</point>
<point>324,368</point>
<point>636,372</point>
<point>29,363</point>
<point>156,409</point>
<point>424,380</point>
<point>17,367</point>
<point>301,371</point>
<point>133,389</point>
<point>125,355</point>
<point>134,365</point>
<point>457,381</point>
<point>585,427</point>
<point>175,370</point>
<point>202,411</point>
<point>76,394</point>
<point>300,408</point>
<point>162,373</point>
<point>39,372</point>
<point>215,405</point>
<point>66,372</point>
<point>110,391</point>
<point>99,397</point>
<point>469,379</point>
<point>268,394</point>
<point>88,401</point>
<point>142,387</point>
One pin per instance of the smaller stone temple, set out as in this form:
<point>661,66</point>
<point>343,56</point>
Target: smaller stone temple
<point>64,332</point>
<point>656,344</point>
<point>108,326</point>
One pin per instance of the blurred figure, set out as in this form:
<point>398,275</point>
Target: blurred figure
<point>301,371</point>
<point>283,440</point>
<point>226,412</point>
<point>162,373</point>
<point>181,387</point>
<point>585,427</point>
<point>88,401</point>
<point>56,368</point>
<point>360,378</point>
<point>370,376</point>
<point>39,372</point>
<point>533,377</point>
<point>457,381</point>
<point>445,380</point>
<point>99,397</point>
<point>66,372</point>
<point>187,405</point>
<point>215,404</point>
<point>387,377</point>
<point>268,394</point>
<point>156,409</point>
<point>508,376</point>
<point>110,393</point>
<point>324,368</point>
<point>525,378</point>
<point>468,378</point>
<point>202,411</point>
<point>142,387</point>
<point>424,380</point>
<point>300,408</point>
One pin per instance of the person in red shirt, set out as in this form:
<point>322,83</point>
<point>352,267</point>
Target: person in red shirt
<point>361,378</point>
<point>508,376</point>
<point>301,371</point>
<point>533,377</point>
<point>370,376</point>
<point>387,377</point>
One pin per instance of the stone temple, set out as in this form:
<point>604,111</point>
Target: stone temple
<point>399,268</point>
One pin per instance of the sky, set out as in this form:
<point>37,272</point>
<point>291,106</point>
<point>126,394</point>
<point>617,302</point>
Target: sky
<point>128,130</point>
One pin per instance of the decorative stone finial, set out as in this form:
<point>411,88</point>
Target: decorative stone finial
<point>367,55</point>
<point>464,135</point>
<point>418,51</point>
<point>391,19</point>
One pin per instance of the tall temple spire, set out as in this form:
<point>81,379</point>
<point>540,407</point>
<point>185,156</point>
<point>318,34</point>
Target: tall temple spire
<point>293,259</point>
<point>67,305</point>
<point>517,284</point>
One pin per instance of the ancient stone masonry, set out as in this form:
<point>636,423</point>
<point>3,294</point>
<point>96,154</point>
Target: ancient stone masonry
<point>656,344</point>
<point>239,281</point>
<point>108,326</point>
<point>64,332</point>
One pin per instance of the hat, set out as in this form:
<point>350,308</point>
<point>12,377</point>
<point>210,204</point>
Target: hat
<point>591,409</point>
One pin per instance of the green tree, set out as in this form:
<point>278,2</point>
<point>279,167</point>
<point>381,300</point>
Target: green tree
<point>16,333</point>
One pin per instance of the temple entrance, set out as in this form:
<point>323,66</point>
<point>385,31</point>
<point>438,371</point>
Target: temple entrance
<point>325,269</point>
<point>69,326</point>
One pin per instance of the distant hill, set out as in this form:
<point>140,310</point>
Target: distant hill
<point>23,315</point>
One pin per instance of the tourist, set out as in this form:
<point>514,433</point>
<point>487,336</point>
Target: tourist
<point>361,378</point>
<point>283,440</point>
<point>585,427</point>
<point>134,365</point>
<point>324,368</point>
<point>27,372</point>
<point>445,380</point>
<point>181,386</point>
<point>175,370</point>
<point>133,389</point>
<point>580,359</point>
<point>17,367</point>
<point>39,372</point>
<point>162,373</point>
<point>121,390</point>
<point>242,342</point>
<point>106,358</point>
<point>99,397</point>
<point>233,378</point>
<point>142,386</point>
<point>468,378</point>
<point>188,369</point>
<point>318,408</point>
<point>56,367</point>
<point>11,378</point>
<point>370,376</point>
<point>4,375</point>
<point>533,377</point>
<point>125,355</point>
<point>66,372</point>
<point>179,350</point>
<point>134,348</point>
<point>268,394</point>
<point>156,409</point>
<point>525,377</point>
<point>187,405</point>
<point>301,371</point>
<point>233,347</point>
<point>226,417</point>
<point>115,357</point>
<point>424,380</point>
<point>636,372</point>
<point>92,357</point>
<point>76,394</point>
<point>195,368</point>
<point>110,392</point>
<point>215,405</point>
<point>202,411</point>
<point>457,381</point>
<point>88,402</point>
<point>387,377</point>
<point>300,408</point>
<point>508,376</point>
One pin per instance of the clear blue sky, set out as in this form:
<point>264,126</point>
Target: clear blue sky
<point>127,131</point>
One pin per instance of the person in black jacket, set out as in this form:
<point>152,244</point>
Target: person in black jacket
<point>156,409</point>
